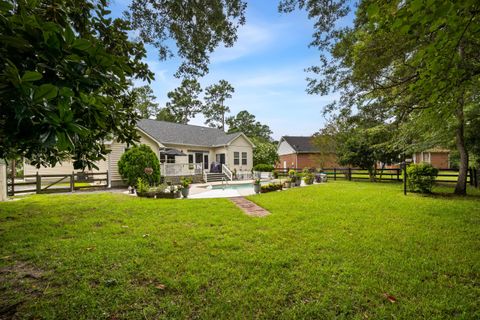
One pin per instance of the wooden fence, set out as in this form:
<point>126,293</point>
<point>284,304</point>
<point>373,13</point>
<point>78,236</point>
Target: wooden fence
<point>444,175</point>
<point>54,183</point>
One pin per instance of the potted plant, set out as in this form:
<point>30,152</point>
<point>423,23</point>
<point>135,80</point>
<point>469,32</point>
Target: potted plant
<point>256,185</point>
<point>287,183</point>
<point>308,178</point>
<point>185,185</point>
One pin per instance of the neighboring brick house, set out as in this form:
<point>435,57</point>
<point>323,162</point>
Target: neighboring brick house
<point>439,158</point>
<point>300,152</point>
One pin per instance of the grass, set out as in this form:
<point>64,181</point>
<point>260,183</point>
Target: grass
<point>337,250</point>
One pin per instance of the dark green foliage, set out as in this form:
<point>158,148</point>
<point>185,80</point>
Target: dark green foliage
<point>264,151</point>
<point>245,122</point>
<point>270,187</point>
<point>215,109</point>
<point>165,114</point>
<point>133,162</point>
<point>263,167</point>
<point>144,102</point>
<point>184,101</point>
<point>65,70</point>
<point>421,177</point>
<point>197,27</point>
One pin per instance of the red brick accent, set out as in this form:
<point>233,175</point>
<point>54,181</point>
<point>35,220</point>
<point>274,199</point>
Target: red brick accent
<point>308,160</point>
<point>439,160</point>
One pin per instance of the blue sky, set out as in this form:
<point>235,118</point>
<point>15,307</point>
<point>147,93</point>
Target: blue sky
<point>265,66</point>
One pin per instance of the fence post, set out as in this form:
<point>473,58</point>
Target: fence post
<point>109,183</point>
<point>39,183</point>
<point>398,174</point>
<point>72,181</point>
<point>404,165</point>
<point>334,173</point>
<point>349,174</point>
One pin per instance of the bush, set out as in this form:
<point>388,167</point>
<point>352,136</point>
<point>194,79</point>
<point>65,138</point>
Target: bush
<point>263,167</point>
<point>135,163</point>
<point>308,178</point>
<point>270,187</point>
<point>292,173</point>
<point>421,177</point>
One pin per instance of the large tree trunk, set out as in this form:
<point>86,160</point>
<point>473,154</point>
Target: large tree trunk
<point>461,187</point>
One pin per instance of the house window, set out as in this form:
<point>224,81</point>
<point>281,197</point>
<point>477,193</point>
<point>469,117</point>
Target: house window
<point>244,158</point>
<point>236,158</point>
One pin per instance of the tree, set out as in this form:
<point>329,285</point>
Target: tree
<point>245,122</point>
<point>184,102</point>
<point>215,110</point>
<point>265,152</point>
<point>65,70</point>
<point>165,114</point>
<point>416,61</point>
<point>197,27</point>
<point>145,104</point>
<point>133,162</point>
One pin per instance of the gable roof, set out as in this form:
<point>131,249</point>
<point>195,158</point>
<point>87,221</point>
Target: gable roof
<point>186,134</point>
<point>301,144</point>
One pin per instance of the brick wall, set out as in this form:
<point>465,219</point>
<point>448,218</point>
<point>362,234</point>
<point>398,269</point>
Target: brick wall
<point>310,160</point>
<point>439,160</point>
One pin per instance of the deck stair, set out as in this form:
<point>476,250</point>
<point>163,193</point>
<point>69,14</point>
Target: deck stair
<point>216,177</point>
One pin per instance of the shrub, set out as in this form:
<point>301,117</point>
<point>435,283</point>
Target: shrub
<point>142,186</point>
<point>292,173</point>
<point>421,177</point>
<point>134,162</point>
<point>308,178</point>
<point>270,187</point>
<point>263,167</point>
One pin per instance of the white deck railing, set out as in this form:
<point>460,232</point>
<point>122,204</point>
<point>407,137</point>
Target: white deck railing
<point>180,169</point>
<point>227,172</point>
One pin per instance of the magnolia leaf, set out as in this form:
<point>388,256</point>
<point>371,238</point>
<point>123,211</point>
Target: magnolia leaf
<point>45,91</point>
<point>81,44</point>
<point>31,76</point>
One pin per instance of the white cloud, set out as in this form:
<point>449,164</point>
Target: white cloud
<point>251,38</point>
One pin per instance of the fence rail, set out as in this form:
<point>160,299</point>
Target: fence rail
<point>54,183</point>
<point>387,174</point>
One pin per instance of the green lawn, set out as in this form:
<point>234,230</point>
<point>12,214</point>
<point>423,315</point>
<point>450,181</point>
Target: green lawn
<point>338,250</point>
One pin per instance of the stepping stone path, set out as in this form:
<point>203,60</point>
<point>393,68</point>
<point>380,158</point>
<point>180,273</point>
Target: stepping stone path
<point>249,207</point>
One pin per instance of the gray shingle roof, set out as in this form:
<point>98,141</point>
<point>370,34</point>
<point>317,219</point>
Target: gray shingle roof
<point>301,144</point>
<point>185,134</point>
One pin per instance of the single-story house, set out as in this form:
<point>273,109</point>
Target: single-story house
<point>437,157</point>
<point>183,150</point>
<point>301,152</point>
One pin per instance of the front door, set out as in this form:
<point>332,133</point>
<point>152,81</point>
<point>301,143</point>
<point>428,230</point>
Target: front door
<point>198,157</point>
<point>205,161</point>
<point>221,158</point>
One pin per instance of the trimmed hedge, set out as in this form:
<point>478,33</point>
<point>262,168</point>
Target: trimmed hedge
<point>421,177</point>
<point>263,167</point>
<point>133,163</point>
<point>271,187</point>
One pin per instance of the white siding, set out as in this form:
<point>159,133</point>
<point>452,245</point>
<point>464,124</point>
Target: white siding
<point>240,145</point>
<point>284,148</point>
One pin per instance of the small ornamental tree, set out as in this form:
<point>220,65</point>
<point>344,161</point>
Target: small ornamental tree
<point>421,177</point>
<point>139,162</point>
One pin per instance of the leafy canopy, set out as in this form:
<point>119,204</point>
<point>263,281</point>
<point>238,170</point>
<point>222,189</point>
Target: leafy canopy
<point>245,122</point>
<point>184,101</point>
<point>64,74</point>
<point>197,27</point>
<point>214,108</point>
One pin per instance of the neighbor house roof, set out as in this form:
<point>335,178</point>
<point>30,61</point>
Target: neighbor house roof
<point>301,144</point>
<point>186,134</point>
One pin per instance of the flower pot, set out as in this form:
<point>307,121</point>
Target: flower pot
<point>298,181</point>
<point>256,188</point>
<point>288,184</point>
<point>185,192</point>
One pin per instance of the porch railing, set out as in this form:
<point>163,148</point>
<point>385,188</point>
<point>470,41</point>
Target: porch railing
<point>227,172</point>
<point>180,169</point>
